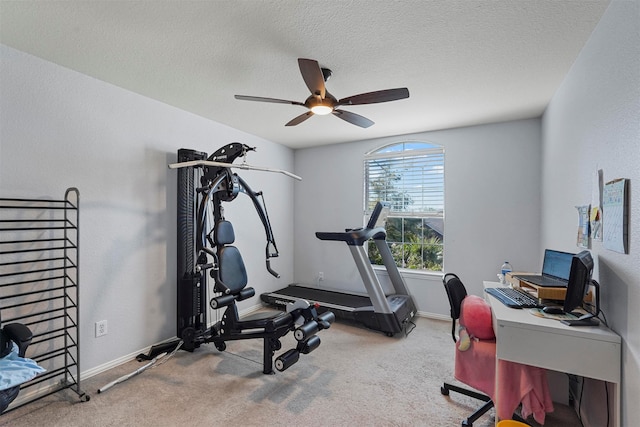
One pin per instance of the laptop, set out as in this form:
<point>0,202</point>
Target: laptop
<point>555,270</point>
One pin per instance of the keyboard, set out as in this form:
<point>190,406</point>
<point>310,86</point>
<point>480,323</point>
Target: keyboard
<point>513,298</point>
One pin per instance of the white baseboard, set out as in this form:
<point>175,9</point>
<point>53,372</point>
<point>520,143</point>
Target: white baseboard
<point>434,316</point>
<point>129,357</point>
<point>28,395</point>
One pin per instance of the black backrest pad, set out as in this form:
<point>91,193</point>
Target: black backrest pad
<point>232,271</point>
<point>456,293</point>
<point>224,234</point>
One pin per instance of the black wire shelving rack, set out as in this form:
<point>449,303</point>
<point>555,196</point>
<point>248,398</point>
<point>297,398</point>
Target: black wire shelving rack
<point>39,287</point>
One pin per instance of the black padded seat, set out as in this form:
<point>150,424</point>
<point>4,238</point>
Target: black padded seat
<point>231,283</point>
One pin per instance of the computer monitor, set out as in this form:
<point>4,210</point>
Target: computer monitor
<point>578,287</point>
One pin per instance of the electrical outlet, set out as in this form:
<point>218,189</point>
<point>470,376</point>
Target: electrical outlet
<point>101,328</point>
<point>320,276</point>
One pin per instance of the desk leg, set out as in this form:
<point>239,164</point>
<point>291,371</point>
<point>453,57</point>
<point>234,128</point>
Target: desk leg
<point>608,401</point>
<point>616,404</point>
<point>496,397</point>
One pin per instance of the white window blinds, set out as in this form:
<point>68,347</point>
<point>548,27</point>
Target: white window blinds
<point>408,175</point>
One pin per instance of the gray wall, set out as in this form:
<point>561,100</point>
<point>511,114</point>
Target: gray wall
<point>492,207</point>
<point>60,128</point>
<point>593,122</point>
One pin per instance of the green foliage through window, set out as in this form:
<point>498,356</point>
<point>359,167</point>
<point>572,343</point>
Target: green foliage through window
<point>410,176</point>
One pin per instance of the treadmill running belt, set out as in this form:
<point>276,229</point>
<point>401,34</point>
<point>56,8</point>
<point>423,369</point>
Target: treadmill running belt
<point>321,296</point>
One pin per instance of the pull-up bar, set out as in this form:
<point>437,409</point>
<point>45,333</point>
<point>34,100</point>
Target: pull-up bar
<point>231,165</point>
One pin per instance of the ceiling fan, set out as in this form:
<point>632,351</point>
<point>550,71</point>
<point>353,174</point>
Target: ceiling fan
<point>321,102</point>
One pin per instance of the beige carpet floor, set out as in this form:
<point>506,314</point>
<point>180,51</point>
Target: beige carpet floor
<point>357,377</point>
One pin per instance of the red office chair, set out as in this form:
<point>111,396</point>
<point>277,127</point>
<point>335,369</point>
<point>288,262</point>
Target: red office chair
<point>483,352</point>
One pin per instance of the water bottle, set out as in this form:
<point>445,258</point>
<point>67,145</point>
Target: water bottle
<point>506,268</point>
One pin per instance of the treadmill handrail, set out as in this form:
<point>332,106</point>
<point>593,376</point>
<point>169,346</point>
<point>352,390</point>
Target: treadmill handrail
<point>355,237</point>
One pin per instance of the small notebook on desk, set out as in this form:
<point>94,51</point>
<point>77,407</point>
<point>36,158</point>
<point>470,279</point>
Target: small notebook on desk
<point>555,270</point>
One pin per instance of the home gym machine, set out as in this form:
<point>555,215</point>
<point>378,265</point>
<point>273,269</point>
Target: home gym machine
<point>387,313</point>
<point>205,239</point>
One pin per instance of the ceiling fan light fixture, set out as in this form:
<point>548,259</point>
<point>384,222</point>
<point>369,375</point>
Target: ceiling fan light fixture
<point>321,109</point>
<point>321,102</point>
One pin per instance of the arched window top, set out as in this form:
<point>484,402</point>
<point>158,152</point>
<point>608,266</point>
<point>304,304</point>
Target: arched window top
<point>405,146</point>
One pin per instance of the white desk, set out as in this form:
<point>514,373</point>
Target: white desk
<point>587,351</point>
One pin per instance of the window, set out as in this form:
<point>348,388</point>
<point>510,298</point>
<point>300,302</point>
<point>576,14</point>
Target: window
<point>409,175</point>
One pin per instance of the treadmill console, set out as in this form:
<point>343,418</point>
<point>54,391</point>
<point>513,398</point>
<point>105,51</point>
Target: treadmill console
<point>379,215</point>
<point>357,237</point>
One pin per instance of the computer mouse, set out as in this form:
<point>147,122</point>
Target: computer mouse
<point>553,310</point>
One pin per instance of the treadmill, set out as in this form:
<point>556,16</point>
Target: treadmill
<point>386,313</point>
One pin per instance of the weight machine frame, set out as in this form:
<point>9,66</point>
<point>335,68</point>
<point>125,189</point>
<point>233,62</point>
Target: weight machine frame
<point>203,184</point>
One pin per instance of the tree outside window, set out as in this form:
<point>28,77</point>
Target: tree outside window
<point>409,175</point>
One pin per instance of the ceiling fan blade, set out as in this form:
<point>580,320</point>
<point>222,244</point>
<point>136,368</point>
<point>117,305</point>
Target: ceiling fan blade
<point>261,99</point>
<point>353,118</point>
<point>376,97</point>
<point>301,118</point>
<point>312,75</point>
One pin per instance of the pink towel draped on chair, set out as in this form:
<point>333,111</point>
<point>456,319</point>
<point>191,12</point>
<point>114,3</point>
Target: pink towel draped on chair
<point>476,367</point>
<point>522,384</point>
<point>518,383</point>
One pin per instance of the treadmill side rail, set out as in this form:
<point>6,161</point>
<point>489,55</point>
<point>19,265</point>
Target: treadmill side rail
<point>371,282</point>
<point>392,269</point>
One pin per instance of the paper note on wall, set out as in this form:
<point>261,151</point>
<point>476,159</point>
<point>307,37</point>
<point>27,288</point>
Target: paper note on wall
<point>582,240</point>
<point>614,208</point>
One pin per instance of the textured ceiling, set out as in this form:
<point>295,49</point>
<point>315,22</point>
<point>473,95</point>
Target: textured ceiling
<point>464,62</point>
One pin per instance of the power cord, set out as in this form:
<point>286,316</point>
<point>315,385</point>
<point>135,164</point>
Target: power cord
<point>604,318</point>
<point>405,327</point>
<point>580,403</point>
<point>606,390</point>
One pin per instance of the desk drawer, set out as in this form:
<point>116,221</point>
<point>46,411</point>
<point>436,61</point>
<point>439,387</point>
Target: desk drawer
<point>560,352</point>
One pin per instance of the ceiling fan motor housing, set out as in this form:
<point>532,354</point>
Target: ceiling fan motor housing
<point>326,74</point>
